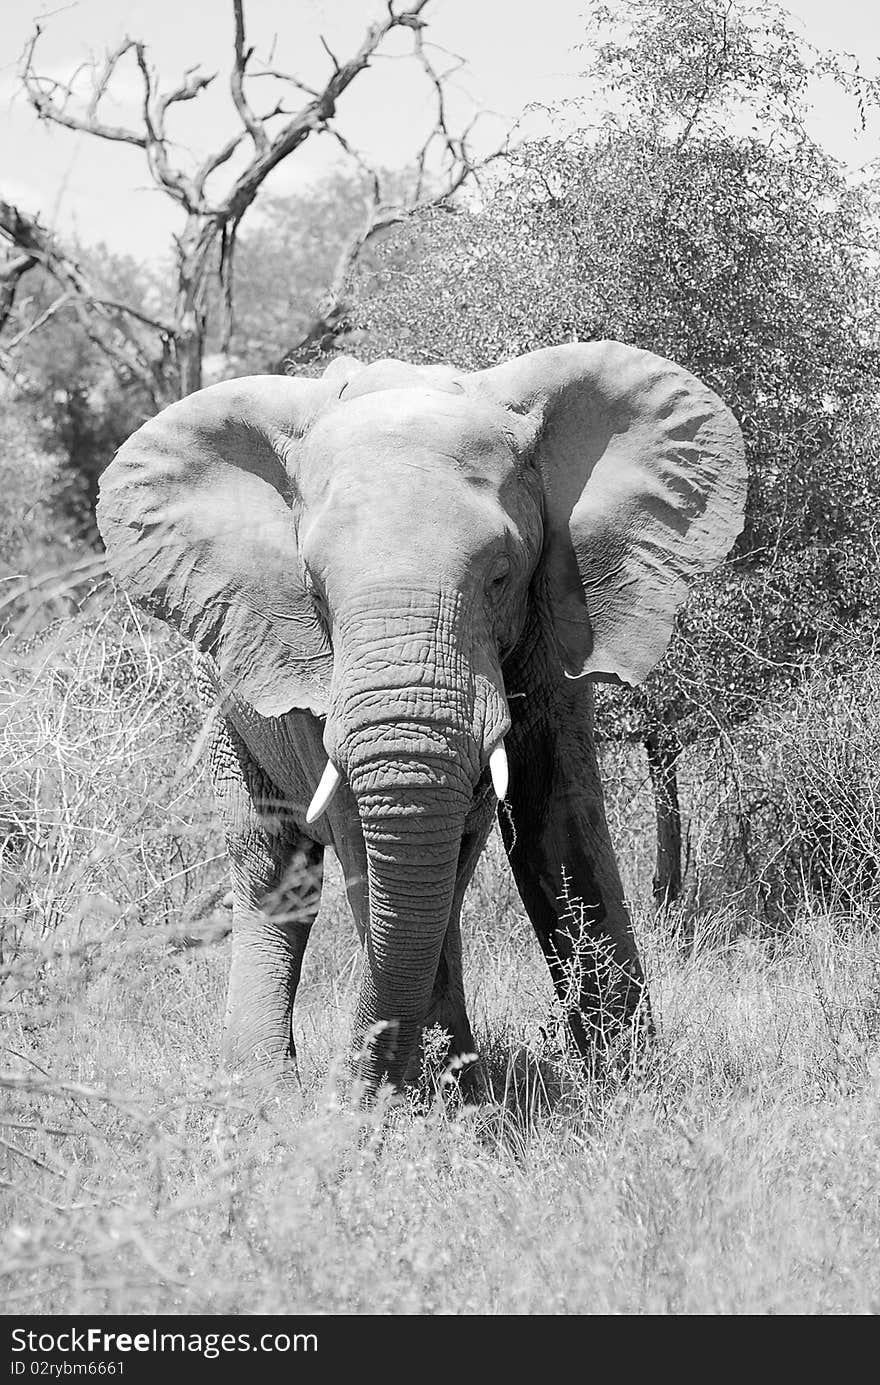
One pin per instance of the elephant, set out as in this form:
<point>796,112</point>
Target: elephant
<point>400,581</point>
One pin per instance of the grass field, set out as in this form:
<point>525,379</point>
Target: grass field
<point>736,1172</point>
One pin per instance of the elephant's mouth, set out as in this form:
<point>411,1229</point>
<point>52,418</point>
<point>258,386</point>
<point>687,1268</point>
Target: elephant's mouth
<point>496,771</point>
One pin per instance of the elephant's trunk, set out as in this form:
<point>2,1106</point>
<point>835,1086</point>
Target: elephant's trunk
<point>412,860</point>
<point>411,729</point>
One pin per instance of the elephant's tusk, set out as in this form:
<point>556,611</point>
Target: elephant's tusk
<point>498,770</point>
<point>330,781</point>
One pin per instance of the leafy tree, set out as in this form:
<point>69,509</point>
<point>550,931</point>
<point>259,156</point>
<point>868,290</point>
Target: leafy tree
<point>747,257</point>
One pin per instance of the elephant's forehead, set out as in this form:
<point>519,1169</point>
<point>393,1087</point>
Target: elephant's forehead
<point>419,425</point>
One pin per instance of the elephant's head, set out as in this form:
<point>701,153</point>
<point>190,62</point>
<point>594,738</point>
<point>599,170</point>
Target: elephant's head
<point>374,545</point>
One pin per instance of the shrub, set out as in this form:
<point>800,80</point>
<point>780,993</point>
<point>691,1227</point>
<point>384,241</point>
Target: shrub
<point>787,809</point>
<point>98,719</point>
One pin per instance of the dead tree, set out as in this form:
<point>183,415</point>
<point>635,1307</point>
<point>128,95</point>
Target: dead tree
<point>211,218</point>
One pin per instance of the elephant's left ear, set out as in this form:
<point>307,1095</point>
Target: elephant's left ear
<point>198,512</point>
<point>644,483</point>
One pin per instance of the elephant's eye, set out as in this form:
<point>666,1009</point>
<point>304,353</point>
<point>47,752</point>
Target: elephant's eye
<point>498,581</point>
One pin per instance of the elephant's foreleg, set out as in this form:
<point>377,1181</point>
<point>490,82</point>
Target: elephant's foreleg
<point>277,891</point>
<point>276,877</point>
<point>567,876</point>
<point>563,861</point>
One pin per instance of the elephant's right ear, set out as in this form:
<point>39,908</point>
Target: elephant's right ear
<point>197,515</point>
<point>644,481</point>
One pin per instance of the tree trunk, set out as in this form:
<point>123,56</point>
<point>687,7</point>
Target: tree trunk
<point>663,752</point>
<point>195,258</point>
<point>190,349</point>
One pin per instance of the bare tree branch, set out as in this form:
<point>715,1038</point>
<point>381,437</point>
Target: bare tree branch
<point>193,84</point>
<point>101,82</point>
<point>42,93</point>
<point>116,305</point>
<point>255,127</point>
<point>330,54</point>
<point>288,78</point>
<point>104,320</point>
<point>8,347</point>
<point>314,115</point>
<point>216,160</point>
<point>155,107</point>
<point>11,273</point>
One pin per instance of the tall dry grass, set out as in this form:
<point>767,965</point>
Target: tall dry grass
<point>734,1172</point>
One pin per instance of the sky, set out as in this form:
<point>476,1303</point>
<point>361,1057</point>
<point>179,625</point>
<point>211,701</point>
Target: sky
<point>519,53</point>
